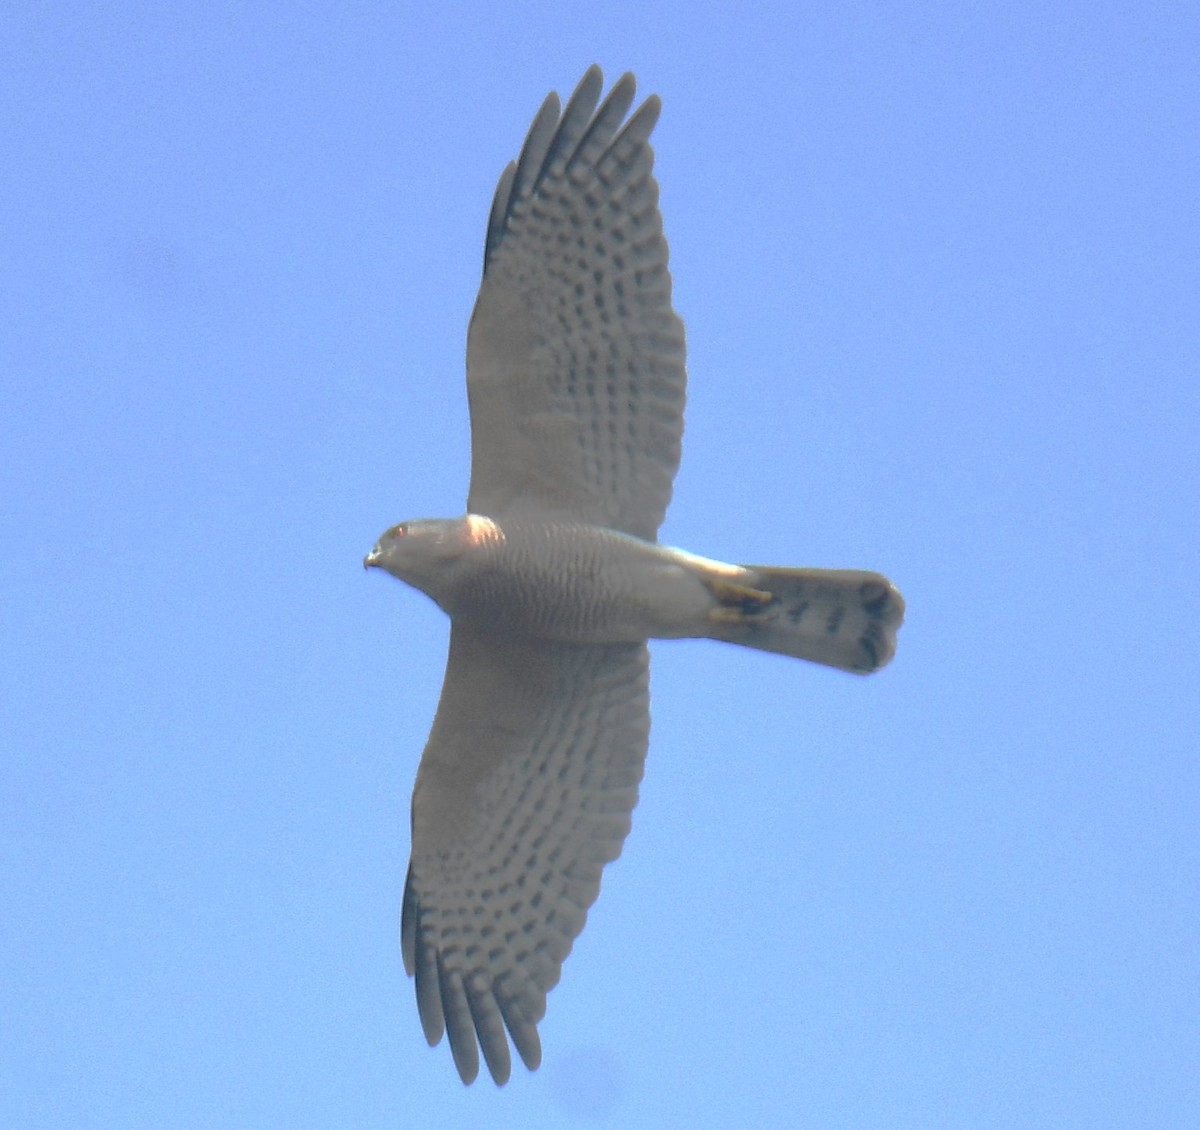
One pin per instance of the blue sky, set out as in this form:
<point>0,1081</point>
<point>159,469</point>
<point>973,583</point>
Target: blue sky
<point>939,268</point>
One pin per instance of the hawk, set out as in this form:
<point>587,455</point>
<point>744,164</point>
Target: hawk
<point>554,580</point>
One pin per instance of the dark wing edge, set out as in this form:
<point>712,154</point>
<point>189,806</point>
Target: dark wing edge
<point>553,143</point>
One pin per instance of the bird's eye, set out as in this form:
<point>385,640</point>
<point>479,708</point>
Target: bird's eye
<point>399,531</point>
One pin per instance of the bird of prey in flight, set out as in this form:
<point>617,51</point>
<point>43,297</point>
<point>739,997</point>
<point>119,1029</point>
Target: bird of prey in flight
<point>554,580</point>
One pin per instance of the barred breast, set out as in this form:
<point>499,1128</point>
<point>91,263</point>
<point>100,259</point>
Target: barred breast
<point>572,583</point>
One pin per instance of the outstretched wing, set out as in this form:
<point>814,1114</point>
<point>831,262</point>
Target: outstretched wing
<point>575,357</point>
<point>524,792</point>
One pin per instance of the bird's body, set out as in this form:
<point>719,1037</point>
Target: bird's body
<point>566,582</point>
<point>554,580</point>
<point>574,583</point>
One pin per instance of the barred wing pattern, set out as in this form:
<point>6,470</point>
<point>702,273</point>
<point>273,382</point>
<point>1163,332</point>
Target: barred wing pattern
<point>525,791</point>
<point>575,357</point>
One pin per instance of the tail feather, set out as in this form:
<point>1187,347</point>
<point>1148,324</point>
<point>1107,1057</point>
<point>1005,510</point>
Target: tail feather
<point>842,618</point>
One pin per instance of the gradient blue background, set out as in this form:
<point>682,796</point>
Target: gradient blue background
<point>939,267</point>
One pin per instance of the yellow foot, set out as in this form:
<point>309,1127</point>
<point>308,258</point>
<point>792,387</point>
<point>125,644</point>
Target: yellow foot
<point>736,602</point>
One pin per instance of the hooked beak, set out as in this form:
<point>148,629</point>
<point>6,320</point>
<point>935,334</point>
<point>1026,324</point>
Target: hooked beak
<point>371,560</point>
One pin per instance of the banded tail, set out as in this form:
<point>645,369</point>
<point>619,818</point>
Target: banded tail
<point>843,618</point>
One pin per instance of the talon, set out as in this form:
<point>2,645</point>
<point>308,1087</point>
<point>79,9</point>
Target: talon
<point>726,615</point>
<point>737,602</point>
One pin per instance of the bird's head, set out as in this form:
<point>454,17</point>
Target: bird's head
<point>416,551</point>
<point>422,552</point>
